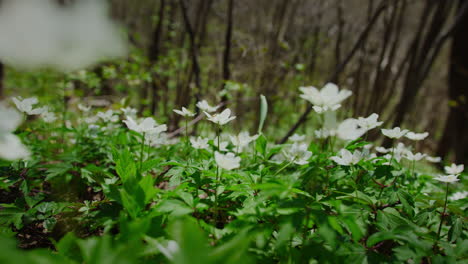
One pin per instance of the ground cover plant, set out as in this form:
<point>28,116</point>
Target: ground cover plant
<point>108,185</point>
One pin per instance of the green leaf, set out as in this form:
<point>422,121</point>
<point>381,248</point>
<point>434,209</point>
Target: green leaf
<point>193,246</point>
<point>380,236</point>
<point>263,112</point>
<point>455,230</point>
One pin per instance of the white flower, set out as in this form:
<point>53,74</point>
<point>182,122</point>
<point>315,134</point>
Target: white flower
<point>416,136</point>
<point>184,112</point>
<point>369,122</point>
<point>297,138</point>
<point>298,153</point>
<point>26,105</point>
<point>349,130</point>
<point>454,169</point>
<point>147,126</point>
<point>242,140</point>
<point>227,161</point>
<point>11,147</point>
<point>447,178</point>
<point>433,159</point>
<point>159,139</point>
<point>382,150</point>
<point>347,158</point>
<point>329,98</point>
<point>84,108</point>
<point>221,118</point>
<point>414,157</point>
<point>458,196</point>
<point>129,111</point>
<point>91,120</point>
<point>204,106</point>
<point>108,116</point>
<point>48,117</point>
<point>394,132</point>
<point>199,143</point>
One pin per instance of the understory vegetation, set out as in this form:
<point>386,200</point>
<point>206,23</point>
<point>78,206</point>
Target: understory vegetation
<point>106,185</point>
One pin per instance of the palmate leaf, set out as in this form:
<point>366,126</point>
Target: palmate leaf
<point>10,214</point>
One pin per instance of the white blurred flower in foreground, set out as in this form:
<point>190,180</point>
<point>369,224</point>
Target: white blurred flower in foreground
<point>458,196</point>
<point>184,112</point>
<point>27,105</point>
<point>227,161</point>
<point>329,98</point>
<point>347,158</point>
<point>242,140</point>
<point>199,143</point>
<point>169,250</point>
<point>417,136</point>
<point>204,106</point>
<point>221,118</point>
<point>454,169</point>
<point>147,126</point>
<point>298,153</point>
<point>11,147</point>
<point>369,122</point>
<point>447,178</point>
<point>42,33</point>
<point>394,132</point>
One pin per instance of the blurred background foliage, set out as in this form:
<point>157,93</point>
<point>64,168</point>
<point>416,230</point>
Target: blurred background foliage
<point>403,59</point>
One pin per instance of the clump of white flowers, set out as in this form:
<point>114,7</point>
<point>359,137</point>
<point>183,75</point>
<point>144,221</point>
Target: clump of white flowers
<point>108,116</point>
<point>458,196</point>
<point>329,98</point>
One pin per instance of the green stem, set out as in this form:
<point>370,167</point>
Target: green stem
<point>443,215</point>
<point>142,151</point>
<point>284,167</point>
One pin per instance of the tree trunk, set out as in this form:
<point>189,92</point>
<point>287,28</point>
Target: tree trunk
<point>456,128</point>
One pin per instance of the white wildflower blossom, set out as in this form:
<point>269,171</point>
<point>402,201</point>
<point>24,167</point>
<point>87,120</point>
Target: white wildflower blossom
<point>147,126</point>
<point>199,143</point>
<point>227,161</point>
<point>454,169</point>
<point>27,105</point>
<point>395,133</point>
<point>298,153</point>
<point>242,140</point>
<point>447,178</point>
<point>184,112</point>
<point>329,98</point>
<point>11,147</point>
<point>458,196</point>
<point>108,116</point>
<point>204,106</point>
<point>369,122</point>
<point>221,118</point>
<point>417,136</point>
<point>347,158</point>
